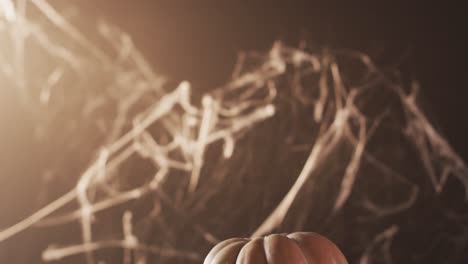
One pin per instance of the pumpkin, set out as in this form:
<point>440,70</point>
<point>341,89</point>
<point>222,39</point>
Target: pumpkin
<point>295,248</point>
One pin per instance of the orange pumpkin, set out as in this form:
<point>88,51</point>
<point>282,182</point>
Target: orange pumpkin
<point>295,248</point>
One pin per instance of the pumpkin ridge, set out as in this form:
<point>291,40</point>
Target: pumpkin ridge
<point>332,247</point>
<point>306,256</point>
<point>282,249</point>
<point>337,256</point>
<point>218,248</point>
<point>226,252</point>
<point>248,252</point>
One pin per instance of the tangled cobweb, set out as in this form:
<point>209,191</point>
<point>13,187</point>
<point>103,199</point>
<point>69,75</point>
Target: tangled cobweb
<point>297,139</point>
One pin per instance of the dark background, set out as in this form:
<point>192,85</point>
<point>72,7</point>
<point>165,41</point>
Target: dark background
<point>198,41</point>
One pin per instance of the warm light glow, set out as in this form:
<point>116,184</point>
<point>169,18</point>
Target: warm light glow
<point>7,10</point>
